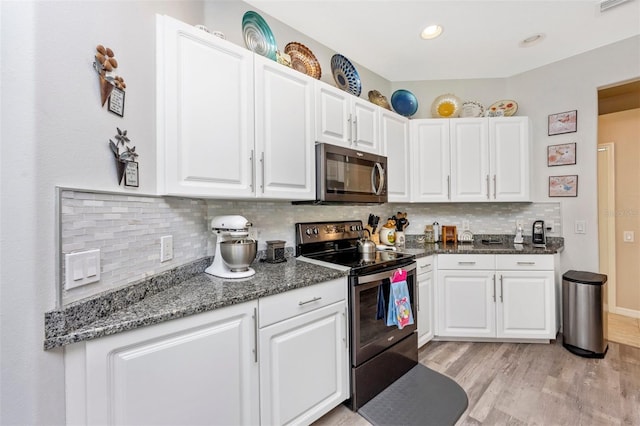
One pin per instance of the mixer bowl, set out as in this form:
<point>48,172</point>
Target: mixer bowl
<point>238,254</point>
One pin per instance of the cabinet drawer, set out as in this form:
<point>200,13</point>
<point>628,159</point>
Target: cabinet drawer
<point>525,262</point>
<point>295,302</point>
<point>466,261</point>
<point>424,264</point>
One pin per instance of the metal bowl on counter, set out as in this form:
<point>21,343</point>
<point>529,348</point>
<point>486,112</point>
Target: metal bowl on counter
<point>238,254</point>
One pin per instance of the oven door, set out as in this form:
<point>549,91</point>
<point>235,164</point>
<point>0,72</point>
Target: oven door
<point>370,334</point>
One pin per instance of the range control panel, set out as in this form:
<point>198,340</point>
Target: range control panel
<point>317,232</point>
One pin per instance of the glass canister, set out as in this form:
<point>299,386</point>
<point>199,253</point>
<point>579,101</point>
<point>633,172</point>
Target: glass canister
<point>429,236</point>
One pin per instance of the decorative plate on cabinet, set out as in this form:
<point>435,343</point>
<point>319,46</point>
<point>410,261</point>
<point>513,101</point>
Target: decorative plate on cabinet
<point>505,107</point>
<point>345,75</point>
<point>472,109</point>
<point>404,102</point>
<point>379,99</point>
<point>303,59</point>
<point>446,106</point>
<point>258,36</point>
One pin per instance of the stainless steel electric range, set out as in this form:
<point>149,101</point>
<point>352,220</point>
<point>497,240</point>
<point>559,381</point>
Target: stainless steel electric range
<point>380,354</point>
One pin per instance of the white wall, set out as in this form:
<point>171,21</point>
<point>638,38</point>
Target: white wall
<point>54,132</point>
<point>572,84</point>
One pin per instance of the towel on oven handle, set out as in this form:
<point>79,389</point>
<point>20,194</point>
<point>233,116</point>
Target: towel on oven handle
<point>382,303</point>
<point>399,310</point>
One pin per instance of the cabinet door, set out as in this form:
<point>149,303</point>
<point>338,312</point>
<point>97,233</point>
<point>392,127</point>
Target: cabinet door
<point>304,366</point>
<point>395,144</point>
<point>510,158</point>
<point>466,303</point>
<point>365,131</point>
<point>333,115</point>
<point>204,113</point>
<point>469,159</point>
<point>526,304</point>
<point>426,317</point>
<point>430,164</point>
<point>195,370</point>
<point>284,117</point>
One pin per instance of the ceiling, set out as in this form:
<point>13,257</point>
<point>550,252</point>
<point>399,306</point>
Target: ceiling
<point>480,39</point>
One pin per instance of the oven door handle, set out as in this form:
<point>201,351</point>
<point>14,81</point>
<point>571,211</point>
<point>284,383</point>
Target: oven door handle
<point>363,279</point>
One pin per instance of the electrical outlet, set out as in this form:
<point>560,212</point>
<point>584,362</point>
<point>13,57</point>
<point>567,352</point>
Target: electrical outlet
<point>580,227</point>
<point>253,233</point>
<point>166,248</point>
<point>465,225</point>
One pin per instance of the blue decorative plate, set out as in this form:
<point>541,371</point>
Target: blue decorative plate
<point>404,102</point>
<point>345,75</point>
<point>258,36</point>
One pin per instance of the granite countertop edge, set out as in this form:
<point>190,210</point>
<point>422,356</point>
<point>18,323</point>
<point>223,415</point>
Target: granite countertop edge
<point>185,291</point>
<point>502,244</point>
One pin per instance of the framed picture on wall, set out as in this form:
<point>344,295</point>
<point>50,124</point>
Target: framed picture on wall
<point>563,122</point>
<point>561,155</point>
<point>131,174</point>
<point>563,186</point>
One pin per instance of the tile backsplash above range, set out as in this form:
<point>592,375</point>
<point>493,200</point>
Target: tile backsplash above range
<point>128,228</point>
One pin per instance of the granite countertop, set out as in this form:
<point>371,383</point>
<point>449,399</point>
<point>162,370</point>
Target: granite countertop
<point>184,291</point>
<point>500,244</point>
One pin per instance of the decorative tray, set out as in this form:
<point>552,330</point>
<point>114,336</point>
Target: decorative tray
<point>258,36</point>
<point>446,106</point>
<point>505,107</point>
<point>303,59</point>
<point>345,75</point>
<point>404,102</point>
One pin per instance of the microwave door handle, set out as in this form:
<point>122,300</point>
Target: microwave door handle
<point>380,171</point>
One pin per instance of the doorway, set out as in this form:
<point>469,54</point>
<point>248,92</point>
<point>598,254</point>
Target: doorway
<point>619,208</point>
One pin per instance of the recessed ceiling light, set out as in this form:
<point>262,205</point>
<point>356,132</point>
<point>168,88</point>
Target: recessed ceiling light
<point>530,41</point>
<point>432,31</point>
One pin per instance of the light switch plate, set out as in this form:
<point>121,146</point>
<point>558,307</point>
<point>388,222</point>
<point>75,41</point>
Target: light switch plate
<point>628,236</point>
<point>166,248</point>
<point>81,268</point>
<point>580,227</point>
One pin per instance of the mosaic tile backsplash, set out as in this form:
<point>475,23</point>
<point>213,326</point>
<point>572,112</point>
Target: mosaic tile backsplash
<point>127,228</point>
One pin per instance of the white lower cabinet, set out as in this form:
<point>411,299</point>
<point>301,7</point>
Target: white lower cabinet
<point>425,305</point>
<point>194,370</point>
<point>496,296</point>
<point>303,347</point>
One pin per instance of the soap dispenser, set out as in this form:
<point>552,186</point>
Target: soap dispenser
<point>518,239</point>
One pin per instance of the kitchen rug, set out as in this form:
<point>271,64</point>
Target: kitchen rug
<point>420,397</point>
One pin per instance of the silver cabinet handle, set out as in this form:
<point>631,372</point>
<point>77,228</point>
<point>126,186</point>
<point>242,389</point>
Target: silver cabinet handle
<point>255,335</point>
<point>488,189</point>
<point>466,263</point>
<point>253,171</point>
<point>495,188</point>
<point>355,126</point>
<point>425,266</point>
<point>346,332</point>
<point>448,187</point>
<point>315,299</point>
<point>526,263</point>
<point>262,167</point>
<point>350,130</point>
<point>501,290</point>
<point>494,288</point>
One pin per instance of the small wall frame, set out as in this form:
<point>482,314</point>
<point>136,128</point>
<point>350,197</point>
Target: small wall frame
<point>563,186</point>
<point>561,155</point>
<point>563,122</point>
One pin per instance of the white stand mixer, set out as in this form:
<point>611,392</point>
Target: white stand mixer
<point>227,228</point>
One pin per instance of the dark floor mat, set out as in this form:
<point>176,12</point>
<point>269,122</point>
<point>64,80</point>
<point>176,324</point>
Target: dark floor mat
<point>420,397</point>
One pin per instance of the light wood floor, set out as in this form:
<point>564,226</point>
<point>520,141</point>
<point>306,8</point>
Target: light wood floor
<point>623,329</point>
<point>532,384</point>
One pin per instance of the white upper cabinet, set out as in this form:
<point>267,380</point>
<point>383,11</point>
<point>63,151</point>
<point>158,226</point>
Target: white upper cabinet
<point>510,153</point>
<point>470,159</point>
<point>204,113</point>
<point>229,128</point>
<point>430,164</point>
<point>394,131</point>
<point>346,120</point>
<point>284,117</point>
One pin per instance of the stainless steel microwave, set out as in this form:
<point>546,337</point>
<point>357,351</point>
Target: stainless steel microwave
<point>349,176</point>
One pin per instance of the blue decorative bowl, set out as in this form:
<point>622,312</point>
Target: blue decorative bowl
<point>258,36</point>
<point>345,75</point>
<point>404,102</point>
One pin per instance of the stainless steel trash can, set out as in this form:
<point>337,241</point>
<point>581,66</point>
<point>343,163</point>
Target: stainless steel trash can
<point>583,316</point>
